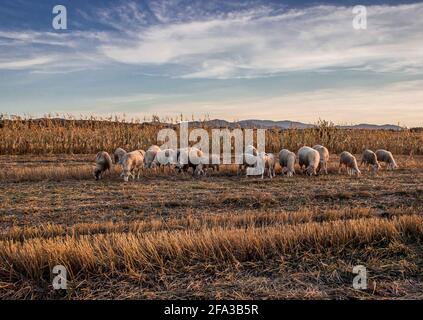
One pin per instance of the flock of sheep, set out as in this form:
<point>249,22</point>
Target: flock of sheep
<point>312,161</point>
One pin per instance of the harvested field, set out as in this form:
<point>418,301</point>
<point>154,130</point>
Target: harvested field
<point>221,236</point>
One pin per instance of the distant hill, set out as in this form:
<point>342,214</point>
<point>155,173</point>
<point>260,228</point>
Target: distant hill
<point>286,124</point>
<point>372,126</point>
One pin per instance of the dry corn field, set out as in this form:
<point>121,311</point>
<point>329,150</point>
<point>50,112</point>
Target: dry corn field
<point>57,136</point>
<point>172,236</point>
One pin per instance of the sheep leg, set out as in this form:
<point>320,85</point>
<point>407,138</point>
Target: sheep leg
<point>239,169</point>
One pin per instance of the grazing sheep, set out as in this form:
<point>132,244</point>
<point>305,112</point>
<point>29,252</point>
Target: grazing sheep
<point>269,164</point>
<point>287,162</point>
<point>118,155</point>
<point>324,158</point>
<point>165,158</point>
<point>369,158</point>
<point>387,157</point>
<point>132,164</point>
<point>189,154</point>
<point>249,159</point>
<point>103,162</point>
<point>150,156</point>
<point>350,162</point>
<point>310,159</point>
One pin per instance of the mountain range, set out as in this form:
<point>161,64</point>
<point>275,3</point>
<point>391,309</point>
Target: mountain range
<point>286,124</point>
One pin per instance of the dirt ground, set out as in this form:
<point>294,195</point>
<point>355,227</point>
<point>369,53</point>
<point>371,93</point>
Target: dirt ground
<point>177,202</point>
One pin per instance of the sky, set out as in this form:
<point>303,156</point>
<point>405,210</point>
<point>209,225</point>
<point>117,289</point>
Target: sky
<point>233,60</point>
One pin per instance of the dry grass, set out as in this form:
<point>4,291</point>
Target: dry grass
<point>127,252</point>
<point>223,236</point>
<point>56,173</point>
<point>248,219</point>
<point>53,136</point>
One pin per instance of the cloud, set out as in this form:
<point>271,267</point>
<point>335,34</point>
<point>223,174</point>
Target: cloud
<point>49,52</point>
<point>241,42</point>
<point>257,43</point>
<point>25,63</point>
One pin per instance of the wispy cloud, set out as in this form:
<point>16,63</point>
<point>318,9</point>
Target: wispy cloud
<point>257,43</point>
<point>25,63</point>
<point>247,43</point>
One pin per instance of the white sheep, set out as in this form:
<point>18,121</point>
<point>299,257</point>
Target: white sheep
<point>165,158</point>
<point>103,163</point>
<point>350,162</point>
<point>287,162</point>
<point>369,158</point>
<point>324,158</point>
<point>132,163</point>
<point>250,157</point>
<point>310,159</point>
<point>269,163</point>
<point>387,157</point>
<point>191,158</point>
<point>150,156</point>
<point>118,155</point>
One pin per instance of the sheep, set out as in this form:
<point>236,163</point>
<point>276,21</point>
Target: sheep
<point>268,160</point>
<point>249,158</point>
<point>287,162</point>
<point>350,162</point>
<point>150,156</point>
<point>103,163</point>
<point>369,158</point>
<point>324,158</point>
<point>191,158</point>
<point>118,155</point>
<point>310,159</point>
<point>132,164</point>
<point>387,157</point>
<point>165,158</point>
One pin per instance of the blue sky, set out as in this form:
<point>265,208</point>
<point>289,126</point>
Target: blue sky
<point>235,60</point>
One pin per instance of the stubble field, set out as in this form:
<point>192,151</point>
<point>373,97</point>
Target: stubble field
<point>222,236</point>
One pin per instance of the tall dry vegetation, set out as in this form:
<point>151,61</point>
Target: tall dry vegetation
<point>87,136</point>
<point>169,251</point>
